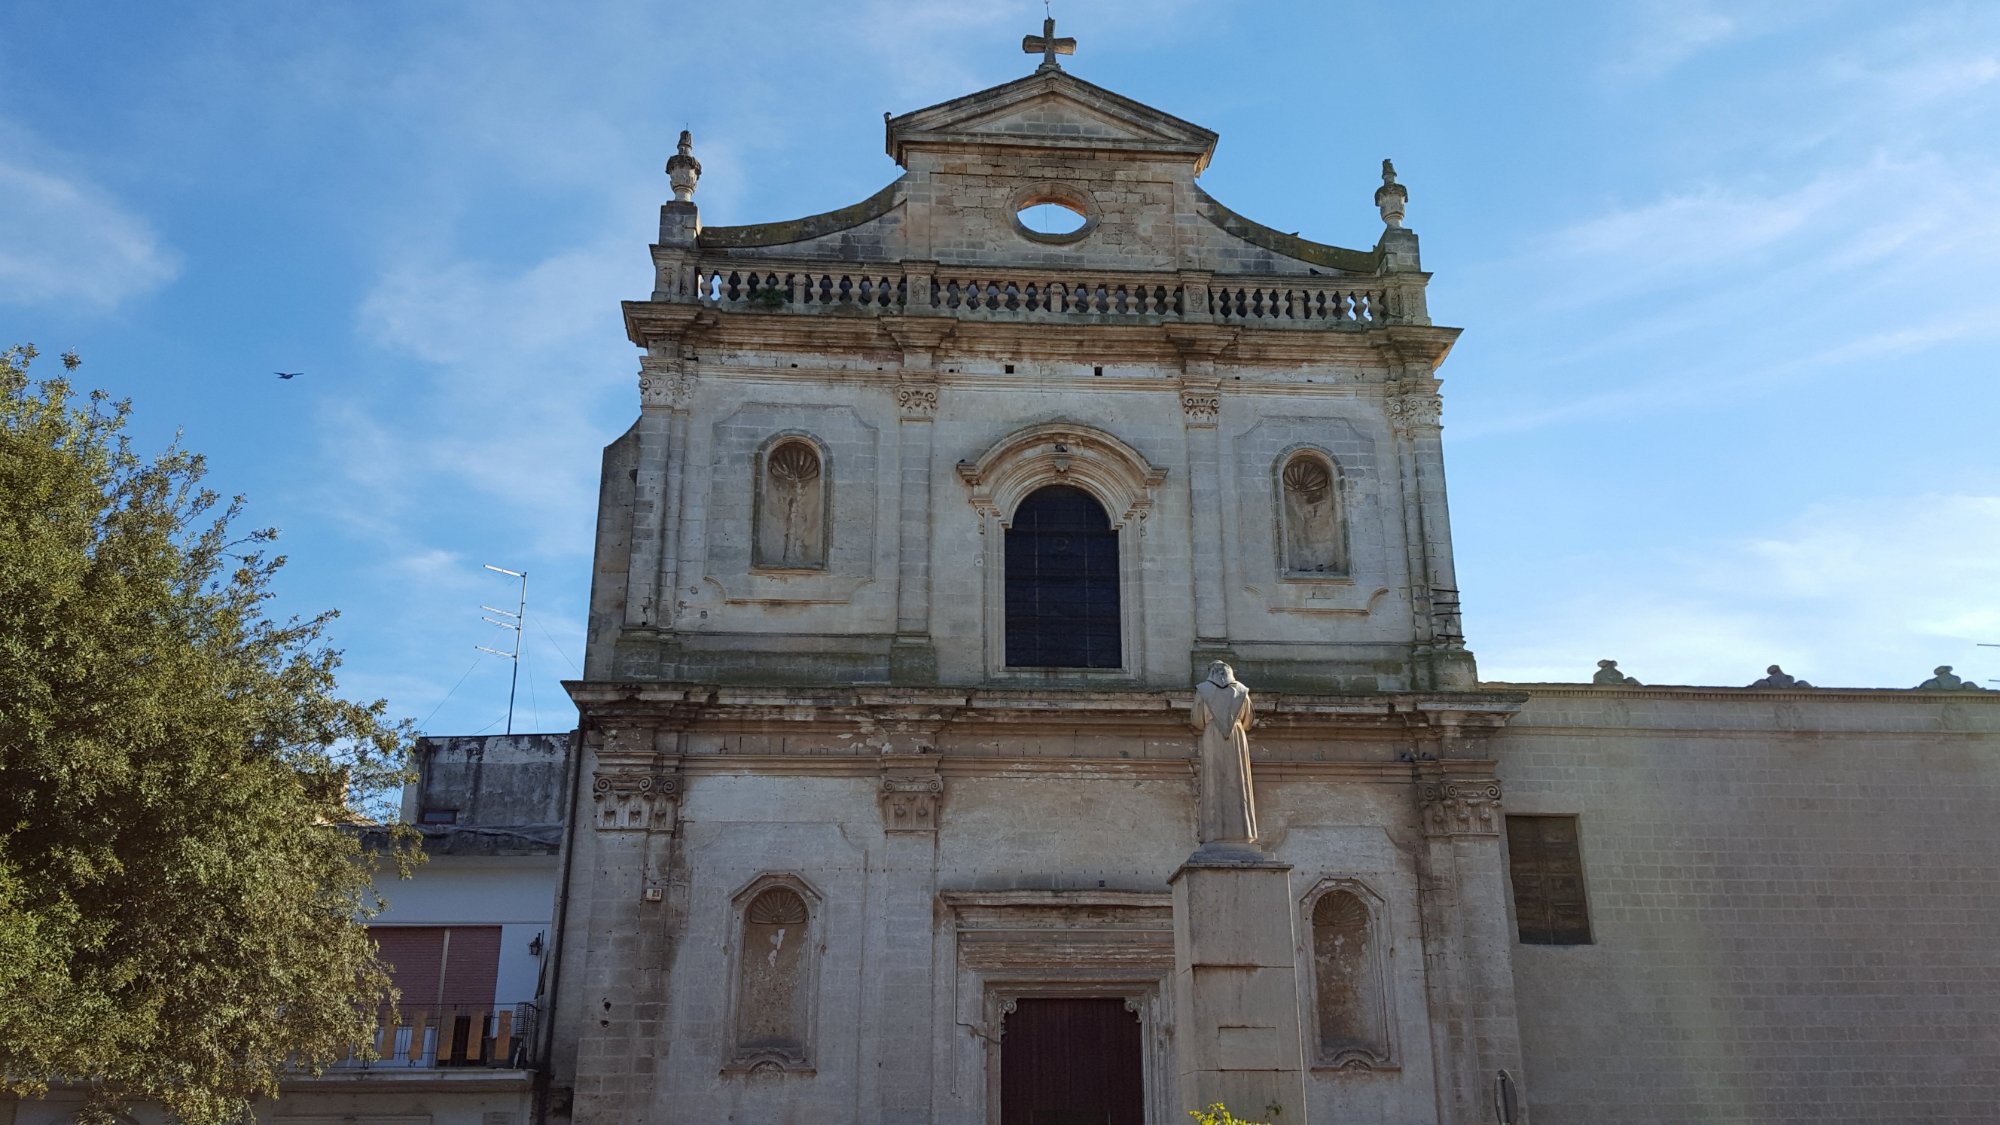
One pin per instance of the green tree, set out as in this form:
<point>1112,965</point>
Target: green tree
<point>1217,1114</point>
<point>182,891</point>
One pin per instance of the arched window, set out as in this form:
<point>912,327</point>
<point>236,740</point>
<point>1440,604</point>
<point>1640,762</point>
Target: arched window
<point>1350,1021</point>
<point>1310,536</point>
<point>772,1001</point>
<point>1062,582</point>
<point>791,520</point>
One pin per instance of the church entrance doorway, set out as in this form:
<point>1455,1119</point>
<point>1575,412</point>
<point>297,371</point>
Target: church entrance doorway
<point>1071,1061</point>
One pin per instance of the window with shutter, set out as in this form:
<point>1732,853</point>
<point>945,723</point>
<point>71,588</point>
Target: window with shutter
<point>1546,866</point>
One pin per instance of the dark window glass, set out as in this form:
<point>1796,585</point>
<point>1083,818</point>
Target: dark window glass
<point>1062,583</point>
<point>1547,871</point>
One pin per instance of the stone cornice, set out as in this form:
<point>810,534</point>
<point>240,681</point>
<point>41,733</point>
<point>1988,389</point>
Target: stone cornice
<point>871,342</point>
<point>684,706</point>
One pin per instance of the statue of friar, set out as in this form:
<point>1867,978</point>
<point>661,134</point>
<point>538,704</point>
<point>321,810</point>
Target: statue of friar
<point>1227,814</point>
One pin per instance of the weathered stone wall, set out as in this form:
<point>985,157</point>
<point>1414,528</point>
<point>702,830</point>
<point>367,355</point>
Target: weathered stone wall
<point>1347,630</point>
<point>497,780</point>
<point>1039,864</point>
<point>1794,898</point>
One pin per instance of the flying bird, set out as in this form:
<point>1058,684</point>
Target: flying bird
<point>288,374</point>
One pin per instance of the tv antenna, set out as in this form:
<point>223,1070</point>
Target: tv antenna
<point>512,621</point>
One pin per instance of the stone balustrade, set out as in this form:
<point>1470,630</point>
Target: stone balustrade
<point>1010,294</point>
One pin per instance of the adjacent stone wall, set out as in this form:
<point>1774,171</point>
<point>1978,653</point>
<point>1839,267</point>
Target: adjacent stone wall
<point>1795,899</point>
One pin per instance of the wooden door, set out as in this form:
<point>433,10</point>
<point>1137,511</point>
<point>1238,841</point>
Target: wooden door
<point>1071,1062</point>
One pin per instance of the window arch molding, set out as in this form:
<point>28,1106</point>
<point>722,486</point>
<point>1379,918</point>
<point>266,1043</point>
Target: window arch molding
<point>745,1050</point>
<point>1085,457</point>
<point>774,546</point>
<point>1110,471</point>
<point>1328,546</point>
<point>1366,1040</point>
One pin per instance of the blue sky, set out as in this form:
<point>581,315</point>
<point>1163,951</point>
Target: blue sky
<point>1729,274</point>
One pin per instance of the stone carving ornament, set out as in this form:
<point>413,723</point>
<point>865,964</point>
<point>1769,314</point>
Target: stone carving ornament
<point>1226,818</point>
<point>1461,806</point>
<point>1414,413</point>
<point>917,398</point>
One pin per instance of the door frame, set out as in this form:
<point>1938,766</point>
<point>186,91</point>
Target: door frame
<point>1149,998</point>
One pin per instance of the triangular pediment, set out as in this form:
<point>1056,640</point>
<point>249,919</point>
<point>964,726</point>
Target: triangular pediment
<point>1050,109</point>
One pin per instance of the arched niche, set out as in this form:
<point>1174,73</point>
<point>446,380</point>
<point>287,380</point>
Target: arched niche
<point>773,976</point>
<point>1114,475</point>
<point>1311,516</point>
<point>792,514</point>
<point>1351,1022</point>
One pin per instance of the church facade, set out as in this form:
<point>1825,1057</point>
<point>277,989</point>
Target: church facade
<point>892,803</point>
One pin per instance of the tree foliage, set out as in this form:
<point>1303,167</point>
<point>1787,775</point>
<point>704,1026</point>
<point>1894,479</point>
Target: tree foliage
<point>182,892</point>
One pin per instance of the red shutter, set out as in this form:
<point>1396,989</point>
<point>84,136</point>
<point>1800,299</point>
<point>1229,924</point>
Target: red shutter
<point>415,956</point>
<point>471,966</point>
<point>430,972</point>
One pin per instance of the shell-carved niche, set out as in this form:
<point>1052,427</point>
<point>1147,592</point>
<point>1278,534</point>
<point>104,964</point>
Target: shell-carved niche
<point>1350,1006</point>
<point>1312,535</point>
<point>772,1005</point>
<point>791,520</point>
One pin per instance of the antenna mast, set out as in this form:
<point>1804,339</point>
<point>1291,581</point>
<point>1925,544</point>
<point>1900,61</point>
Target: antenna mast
<point>513,621</point>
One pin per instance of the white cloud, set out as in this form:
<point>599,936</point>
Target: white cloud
<point>1862,592</point>
<point>1668,34</point>
<point>64,239</point>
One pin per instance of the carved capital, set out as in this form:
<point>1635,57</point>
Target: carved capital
<point>633,788</point>
<point>1414,414</point>
<point>911,800</point>
<point>1460,806</point>
<point>1200,407</point>
<point>665,382</point>
<point>917,400</point>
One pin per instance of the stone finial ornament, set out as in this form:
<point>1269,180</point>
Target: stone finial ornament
<point>1943,680</point>
<point>1227,815</point>
<point>1775,677</point>
<point>683,170</point>
<point>1391,197</point>
<point>1608,673</point>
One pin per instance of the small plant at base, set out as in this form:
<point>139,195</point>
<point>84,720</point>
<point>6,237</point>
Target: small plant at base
<point>1217,1114</point>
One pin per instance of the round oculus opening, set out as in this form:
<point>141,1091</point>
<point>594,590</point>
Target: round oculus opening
<point>1051,217</point>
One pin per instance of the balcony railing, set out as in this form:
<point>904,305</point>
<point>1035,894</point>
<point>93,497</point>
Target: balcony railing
<point>1044,295</point>
<point>426,1038</point>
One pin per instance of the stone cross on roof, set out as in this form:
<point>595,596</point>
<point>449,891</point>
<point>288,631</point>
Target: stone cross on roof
<point>1048,45</point>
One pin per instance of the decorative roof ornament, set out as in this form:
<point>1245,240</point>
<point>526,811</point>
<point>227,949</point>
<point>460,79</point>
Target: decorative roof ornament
<point>1776,677</point>
<point>683,170</point>
<point>1048,46</point>
<point>1943,680</point>
<point>1607,670</point>
<point>1391,197</point>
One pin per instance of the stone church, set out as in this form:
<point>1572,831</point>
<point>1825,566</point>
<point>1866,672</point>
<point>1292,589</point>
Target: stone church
<point>912,791</point>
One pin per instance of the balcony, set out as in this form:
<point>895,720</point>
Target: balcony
<point>464,1037</point>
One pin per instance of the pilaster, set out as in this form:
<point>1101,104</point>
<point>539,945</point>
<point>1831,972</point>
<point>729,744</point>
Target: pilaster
<point>1468,939</point>
<point>635,911</point>
<point>902,888</point>
<point>1200,389</point>
<point>666,386</point>
<point>912,659</point>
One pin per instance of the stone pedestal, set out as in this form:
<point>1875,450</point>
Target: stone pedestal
<point>1236,1014</point>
